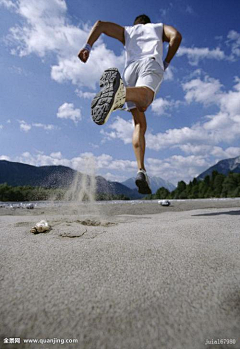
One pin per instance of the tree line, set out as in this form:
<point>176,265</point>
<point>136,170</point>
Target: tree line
<point>215,186</point>
<point>28,193</point>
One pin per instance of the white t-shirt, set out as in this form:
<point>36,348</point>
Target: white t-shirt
<point>144,40</point>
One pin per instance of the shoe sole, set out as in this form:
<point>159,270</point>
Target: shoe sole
<point>103,103</point>
<point>143,187</point>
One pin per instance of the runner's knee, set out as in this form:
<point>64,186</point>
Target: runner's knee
<point>148,95</point>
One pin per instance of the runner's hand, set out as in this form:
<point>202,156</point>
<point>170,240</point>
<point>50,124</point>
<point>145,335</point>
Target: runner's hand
<point>83,55</point>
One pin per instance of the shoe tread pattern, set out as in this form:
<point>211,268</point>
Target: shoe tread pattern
<point>102,102</point>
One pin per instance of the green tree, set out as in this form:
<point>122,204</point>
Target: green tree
<point>218,185</point>
<point>162,193</point>
<point>181,187</point>
<point>207,180</point>
<point>230,184</point>
<point>193,190</point>
<point>203,189</point>
<point>183,195</point>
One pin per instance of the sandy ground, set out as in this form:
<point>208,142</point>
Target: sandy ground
<point>122,276</point>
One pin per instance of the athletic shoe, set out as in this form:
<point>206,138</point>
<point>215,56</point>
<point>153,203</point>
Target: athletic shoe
<point>142,182</point>
<point>111,96</point>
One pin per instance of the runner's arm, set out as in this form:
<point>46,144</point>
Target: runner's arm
<point>111,29</point>
<point>174,38</point>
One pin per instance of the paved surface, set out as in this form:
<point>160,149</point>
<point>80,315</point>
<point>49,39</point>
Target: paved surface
<point>169,280</point>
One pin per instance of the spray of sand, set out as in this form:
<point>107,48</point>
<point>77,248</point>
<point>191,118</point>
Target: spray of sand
<point>83,187</point>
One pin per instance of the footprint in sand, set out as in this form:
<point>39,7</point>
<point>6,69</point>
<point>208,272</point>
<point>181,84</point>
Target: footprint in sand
<point>86,229</point>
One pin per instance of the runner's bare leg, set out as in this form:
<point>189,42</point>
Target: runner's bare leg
<point>138,140</point>
<point>141,96</point>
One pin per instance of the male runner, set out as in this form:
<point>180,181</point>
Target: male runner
<point>141,79</point>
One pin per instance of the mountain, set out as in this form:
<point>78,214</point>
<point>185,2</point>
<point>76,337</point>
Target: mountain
<point>224,167</point>
<point>115,188</point>
<point>18,174</point>
<point>156,183</point>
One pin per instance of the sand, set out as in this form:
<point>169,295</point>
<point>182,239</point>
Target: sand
<point>122,276</point>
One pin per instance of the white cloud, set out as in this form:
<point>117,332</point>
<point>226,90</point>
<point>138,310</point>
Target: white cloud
<point>208,150</point>
<point>233,39</point>
<point>209,92</point>
<point>45,127</point>
<point>5,157</point>
<point>94,146</point>
<point>87,74</point>
<point>230,152</point>
<point>237,83</point>
<point>195,54</point>
<point>219,121</point>
<point>85,95</point>
<point>8,4</point>
<point>24,126</point>
<point>114,178</point>
<point>230,102</point>
<point>163,12</point>
<point>177,137</point>
<point>199,149</point>
<point>161,105</point>
<point>205,92</point>
<point>168,74</point>
<point>177,167</point>
<point>1,127</point>
<point>123,165</point>
<point>57,155</point>
<point>46,29</point>
<point>67,111</point>
<point>122,129</point>
<point>189,10</point>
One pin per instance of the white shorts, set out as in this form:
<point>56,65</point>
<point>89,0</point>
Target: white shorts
<point>145,72</point>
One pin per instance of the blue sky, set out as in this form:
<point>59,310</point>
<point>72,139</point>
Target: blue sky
<point>46,91</point>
